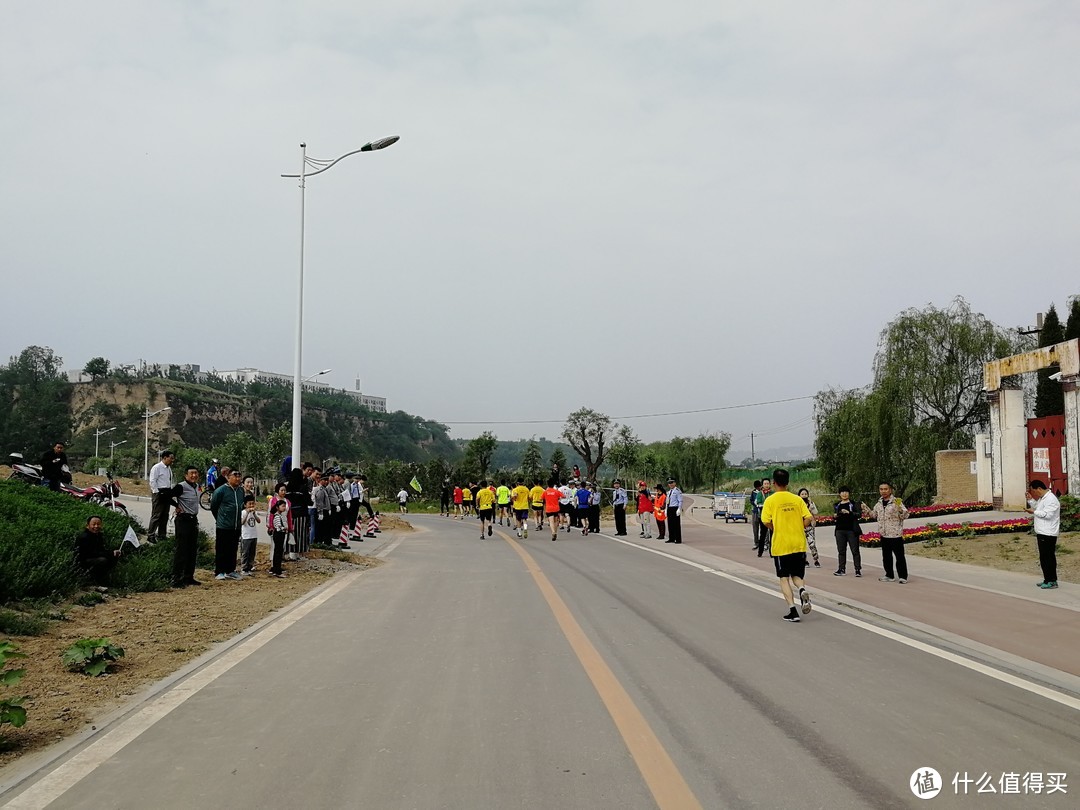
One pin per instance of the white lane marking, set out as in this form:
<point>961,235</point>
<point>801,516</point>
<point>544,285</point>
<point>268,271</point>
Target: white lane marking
<point>975,666</point>
<point>49,788</point>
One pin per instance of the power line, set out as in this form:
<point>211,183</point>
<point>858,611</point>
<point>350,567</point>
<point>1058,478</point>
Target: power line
<point>634,416</point>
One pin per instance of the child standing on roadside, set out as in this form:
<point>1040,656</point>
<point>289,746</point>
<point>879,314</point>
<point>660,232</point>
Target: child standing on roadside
<point>644,509</point>
<point>280,525</point>
<point>660,511</point>
<point>249,535</point>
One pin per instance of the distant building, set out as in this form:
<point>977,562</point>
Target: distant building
<point>250,375</point>
<point>194,372</point>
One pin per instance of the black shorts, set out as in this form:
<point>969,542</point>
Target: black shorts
<point>565,509</point>
<point>552,514</point>
<point>521,514</point>
<point>486,514</point>
<point>790,565</point>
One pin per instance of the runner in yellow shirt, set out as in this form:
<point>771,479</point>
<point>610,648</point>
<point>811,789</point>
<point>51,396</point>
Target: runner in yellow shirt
<point>485,508</point>
<point>466,501</point>
<point>787,516</point>
<point>536,498</point>
<point>519,496</point>
<point>502,499</point>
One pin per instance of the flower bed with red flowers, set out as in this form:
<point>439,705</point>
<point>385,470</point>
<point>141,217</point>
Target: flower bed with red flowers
<point>928,511</point>
<point>916,533</point>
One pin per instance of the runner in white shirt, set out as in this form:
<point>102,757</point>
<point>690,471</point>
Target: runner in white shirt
<point>566,499</point>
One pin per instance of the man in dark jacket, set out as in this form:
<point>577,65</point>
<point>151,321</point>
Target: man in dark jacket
<point>226,504</point>
<point>52,466</point>
<point>91,555</point>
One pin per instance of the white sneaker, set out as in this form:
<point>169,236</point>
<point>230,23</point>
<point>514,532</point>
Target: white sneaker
<point>222,576</point>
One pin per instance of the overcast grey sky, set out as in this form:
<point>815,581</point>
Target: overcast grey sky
<point>640,207</point>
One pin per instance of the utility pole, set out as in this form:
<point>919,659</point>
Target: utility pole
<point>753,455</point>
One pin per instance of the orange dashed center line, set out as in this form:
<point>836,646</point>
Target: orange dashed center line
<point>666,783</point>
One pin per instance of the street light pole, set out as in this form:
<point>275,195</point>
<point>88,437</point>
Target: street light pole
<point>97,435</point>
<point>113,446</point>
<point>319,167</point>
<point>146,440</point>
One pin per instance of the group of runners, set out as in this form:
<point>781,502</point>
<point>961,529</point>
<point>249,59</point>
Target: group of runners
<point>562,505</point>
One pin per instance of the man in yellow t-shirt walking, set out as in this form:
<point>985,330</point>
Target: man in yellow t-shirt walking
<point>786,515</point>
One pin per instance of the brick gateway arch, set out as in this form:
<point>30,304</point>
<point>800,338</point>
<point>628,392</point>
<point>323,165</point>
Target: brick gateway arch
<point>1008,427</point>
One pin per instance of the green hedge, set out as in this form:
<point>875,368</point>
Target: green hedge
<point>37,546</point>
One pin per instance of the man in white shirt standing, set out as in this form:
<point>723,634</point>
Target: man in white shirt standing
<point>161,484</point>
<point>1046,509</point>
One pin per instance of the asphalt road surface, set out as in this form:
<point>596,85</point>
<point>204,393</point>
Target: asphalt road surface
<point>582,673</point>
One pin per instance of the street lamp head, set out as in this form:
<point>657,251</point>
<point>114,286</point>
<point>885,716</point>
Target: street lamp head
<point>382,143</point>
<point>324,371</point>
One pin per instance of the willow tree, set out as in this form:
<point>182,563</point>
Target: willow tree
<point>926,396</point>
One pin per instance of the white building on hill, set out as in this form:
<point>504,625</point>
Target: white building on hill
<point>250,375</point>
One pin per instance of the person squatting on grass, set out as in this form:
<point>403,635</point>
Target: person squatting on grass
<point>788,517</point>
<point>91,555</point>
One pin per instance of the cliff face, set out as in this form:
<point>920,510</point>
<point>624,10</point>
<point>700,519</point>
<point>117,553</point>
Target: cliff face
<point>204,417</point>
<point>197,416</point>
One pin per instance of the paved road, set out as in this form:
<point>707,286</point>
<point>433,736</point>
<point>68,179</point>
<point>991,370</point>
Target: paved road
<point>585,673</point>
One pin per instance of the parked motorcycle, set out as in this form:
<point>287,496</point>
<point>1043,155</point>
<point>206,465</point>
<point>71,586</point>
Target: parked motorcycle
<point>107,494</point>
<point>103,494</point>
<point>22,471</point>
